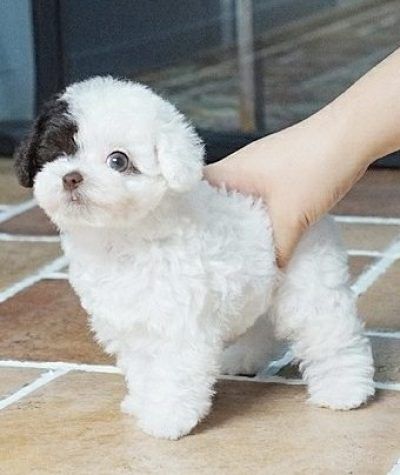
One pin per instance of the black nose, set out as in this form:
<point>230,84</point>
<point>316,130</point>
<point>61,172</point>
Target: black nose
<point>71,180</point>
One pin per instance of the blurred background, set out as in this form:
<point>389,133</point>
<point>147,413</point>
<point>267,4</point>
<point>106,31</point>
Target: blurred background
<point>239,69</point>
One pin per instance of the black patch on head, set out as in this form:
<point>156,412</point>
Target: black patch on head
<point>52,136</point>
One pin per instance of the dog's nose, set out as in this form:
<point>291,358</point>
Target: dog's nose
<point>72,180</point>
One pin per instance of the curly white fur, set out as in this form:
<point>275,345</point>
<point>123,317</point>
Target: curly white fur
<point>179,278</point>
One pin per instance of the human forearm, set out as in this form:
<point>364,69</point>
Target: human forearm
<point>367,115</point>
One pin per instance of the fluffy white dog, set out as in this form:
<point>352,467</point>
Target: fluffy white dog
<point>179,278</point>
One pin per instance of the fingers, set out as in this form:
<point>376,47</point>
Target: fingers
<point>227,172</point>
<point>237,172</point>
<point>285,249</point>
<point>287,234</point>
<point>287,228</point>
<point>214,174</point>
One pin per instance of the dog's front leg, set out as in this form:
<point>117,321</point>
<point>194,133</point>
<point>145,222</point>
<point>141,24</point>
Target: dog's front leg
<point>172,392</point>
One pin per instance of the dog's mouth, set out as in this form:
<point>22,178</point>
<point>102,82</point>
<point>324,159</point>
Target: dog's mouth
<point>74,198</point>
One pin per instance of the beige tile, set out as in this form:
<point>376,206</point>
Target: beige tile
<point>33,222</point>
<point>380,305</point>
<point>254,428</point>
<point>359,264</point>
<point>45,322</point>
<point>11,191</point>
<point>20,259</point>
<point>369,237</point>
<point>376,194</point>
<point>387,359</point>
<point>12,379</point>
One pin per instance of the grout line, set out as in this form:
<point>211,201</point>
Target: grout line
<point>395,470</point>
<point>367,278</point>
<point>109,369</point>
<point>383,334</point>
<point>56,365</point>
<point>260,379</point>
<point>54,266</point>
<point>56,276</point>
<point>17,209</point>
<point>24,238</point>
<point>366,220</point>
<point>387,385</point>
<point>273,368</point>
<point>42,380</point>
<point>365,253</point>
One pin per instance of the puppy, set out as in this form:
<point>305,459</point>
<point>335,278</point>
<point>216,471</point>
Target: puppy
<point>179,278</point>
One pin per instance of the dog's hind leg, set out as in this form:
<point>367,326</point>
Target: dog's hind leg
<point>315,309</point>
<point>251,351</point>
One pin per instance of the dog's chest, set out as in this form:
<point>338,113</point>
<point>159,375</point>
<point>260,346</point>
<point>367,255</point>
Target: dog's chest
<point>145,285</point>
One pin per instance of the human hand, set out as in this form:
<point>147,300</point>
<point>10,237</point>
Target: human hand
<point>300,173</point>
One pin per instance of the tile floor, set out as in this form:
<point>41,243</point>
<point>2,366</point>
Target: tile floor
<point>60,394</point>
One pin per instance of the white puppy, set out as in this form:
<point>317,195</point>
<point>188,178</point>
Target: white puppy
<point>179,278</point>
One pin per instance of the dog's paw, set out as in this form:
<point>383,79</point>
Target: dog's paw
<point>237,359</point>
<point>344,382</point>
<point>166,426</point>
<point>163,425</point>
<point>335,395</point>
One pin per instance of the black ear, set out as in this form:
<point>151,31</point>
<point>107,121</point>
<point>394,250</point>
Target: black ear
<point>25,164</point>
<point>51,136</point>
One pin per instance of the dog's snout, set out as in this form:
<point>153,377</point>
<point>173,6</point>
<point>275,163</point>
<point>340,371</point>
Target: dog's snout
<point>72,180</point>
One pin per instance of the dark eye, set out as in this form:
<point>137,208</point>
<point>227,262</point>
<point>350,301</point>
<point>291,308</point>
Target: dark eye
<point>118,161</point>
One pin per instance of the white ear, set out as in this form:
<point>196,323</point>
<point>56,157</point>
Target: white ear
<point>180,150</point>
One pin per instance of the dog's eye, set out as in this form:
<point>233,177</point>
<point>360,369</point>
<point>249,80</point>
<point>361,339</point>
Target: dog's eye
<point>118,161</point>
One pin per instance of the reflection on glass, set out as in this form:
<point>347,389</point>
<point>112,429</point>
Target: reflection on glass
<point>303,55</point>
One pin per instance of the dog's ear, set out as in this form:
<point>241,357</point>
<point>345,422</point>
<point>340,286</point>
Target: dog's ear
<point>51,136</point>
<point>25,157</point>
<point>180,150</point>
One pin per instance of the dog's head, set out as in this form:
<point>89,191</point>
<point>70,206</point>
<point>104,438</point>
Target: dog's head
<point>105,152</point>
